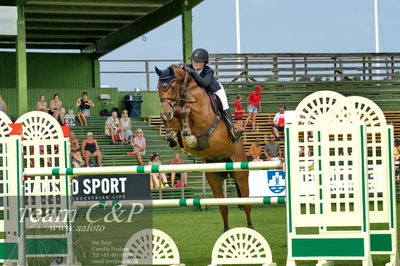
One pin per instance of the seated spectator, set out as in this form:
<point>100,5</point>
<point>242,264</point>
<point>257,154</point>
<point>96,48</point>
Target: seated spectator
<point>126,128</point>
<point>41,105</point>
<point>3,105</point>
<point>56,108</point>
<point>279,121</point>
<point>396,150</point>
<point>90,148</point>
<point>75,154</point>
<point>178,160</point>
<point>69,118</point>
<point>139,145</point>
<point>112,128</point>
<point>84,105</point>
<point>272,150</point>
<point>157,177</point>
<point>255,151</point>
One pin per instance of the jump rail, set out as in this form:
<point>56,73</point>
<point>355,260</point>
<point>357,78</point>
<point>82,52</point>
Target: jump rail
<point>187,202</point>
<point>208,167</point>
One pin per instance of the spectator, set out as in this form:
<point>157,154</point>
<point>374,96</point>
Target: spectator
<point>126,128</point>
<point>41,105</point>
<point>90,148</point>
<point>396,150</point>
<point>255,151</point>
<point>3,105</point>
<point>84,105</point>
<point>178,160</point>
<point>238,111</point>
<point>75,154</point>
<point>139,145</point>
<point>272,150</point>
<point>279,121</point>
<point>69,119</point>
<point>56,108</point>
<point>253,106</point>
<point>112,128</point>
<point>156,177</point>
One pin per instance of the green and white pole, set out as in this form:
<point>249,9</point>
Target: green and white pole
<point>186,202</point>
<point>209,167</point>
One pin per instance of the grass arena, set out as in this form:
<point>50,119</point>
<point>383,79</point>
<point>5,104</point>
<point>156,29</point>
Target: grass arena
<point>340,202</point>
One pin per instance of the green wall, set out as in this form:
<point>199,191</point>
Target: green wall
<point>68,97</point>
<point>50,70</point>
<point>151,102</point>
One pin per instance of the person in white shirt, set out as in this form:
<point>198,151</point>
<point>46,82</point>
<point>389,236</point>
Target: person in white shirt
<point>279,121</point>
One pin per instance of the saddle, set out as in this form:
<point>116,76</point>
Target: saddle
<point>216,104</point>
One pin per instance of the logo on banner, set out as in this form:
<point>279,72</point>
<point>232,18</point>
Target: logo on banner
<point>276,181</point>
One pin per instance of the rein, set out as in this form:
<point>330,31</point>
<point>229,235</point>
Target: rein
<point>178,97</point>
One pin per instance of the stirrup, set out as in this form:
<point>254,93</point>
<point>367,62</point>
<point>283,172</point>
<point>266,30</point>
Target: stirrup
<point>237,133</point>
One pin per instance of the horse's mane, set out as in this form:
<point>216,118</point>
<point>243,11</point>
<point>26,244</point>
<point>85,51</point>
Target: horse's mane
<point>179,68</point>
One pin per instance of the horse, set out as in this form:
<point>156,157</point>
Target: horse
<point>187,109</point>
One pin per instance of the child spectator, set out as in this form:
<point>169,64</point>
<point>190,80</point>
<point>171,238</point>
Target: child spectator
<point>84,105</point>
<point>157,177</point>
<point>238,109</point>
<point>41,105</point>
<point>139,145</point>
<point>253,106</point>
<point>279,121</point>
<point>112,128</point>
<point>178,160</point>
<point>3,105</point>
<point>126,127</point>
<point>272,150</point>
<point>255,151</point>
<point>56,108</point>
<point>69,118</point>
<point>75,154</point>
<point>90,148</point>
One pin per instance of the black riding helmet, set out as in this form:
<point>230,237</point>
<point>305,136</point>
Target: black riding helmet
<point>200,54</point>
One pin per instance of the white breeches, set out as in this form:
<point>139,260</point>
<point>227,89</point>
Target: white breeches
<point>222,96</point>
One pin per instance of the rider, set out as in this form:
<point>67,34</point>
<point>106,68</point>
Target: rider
<point>204,76</point>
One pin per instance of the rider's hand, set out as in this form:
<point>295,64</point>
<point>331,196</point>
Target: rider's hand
<point>189,70</point>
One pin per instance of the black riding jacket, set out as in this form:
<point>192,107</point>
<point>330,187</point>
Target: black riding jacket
<point>206,79</point>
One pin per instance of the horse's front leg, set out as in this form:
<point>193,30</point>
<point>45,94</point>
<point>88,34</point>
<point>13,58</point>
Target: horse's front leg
<point>191,140</point>
<point>169,136</point>
<point>185,120</point>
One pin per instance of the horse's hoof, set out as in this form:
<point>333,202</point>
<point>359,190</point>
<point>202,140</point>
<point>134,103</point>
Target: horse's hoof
<point>250,226</point>
<point>173,144</point>
<point>191,141</point>
<point>226,229</point>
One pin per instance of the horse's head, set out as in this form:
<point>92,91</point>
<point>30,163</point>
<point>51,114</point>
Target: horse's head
<point>170,83</point>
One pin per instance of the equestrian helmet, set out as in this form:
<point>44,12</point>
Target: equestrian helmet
<point>200,54</point>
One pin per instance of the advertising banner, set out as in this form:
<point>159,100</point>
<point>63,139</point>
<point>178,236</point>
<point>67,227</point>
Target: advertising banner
<point>271,183</point>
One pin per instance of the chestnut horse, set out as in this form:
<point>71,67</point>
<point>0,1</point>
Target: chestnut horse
<point>187,108</point>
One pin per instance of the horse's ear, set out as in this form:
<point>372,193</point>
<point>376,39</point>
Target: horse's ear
<point>171,71</point>
<point>158,71</point>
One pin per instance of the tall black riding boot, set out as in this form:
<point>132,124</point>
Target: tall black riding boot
<point>235,133</point>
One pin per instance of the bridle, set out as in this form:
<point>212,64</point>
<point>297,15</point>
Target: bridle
<point>180,93</point>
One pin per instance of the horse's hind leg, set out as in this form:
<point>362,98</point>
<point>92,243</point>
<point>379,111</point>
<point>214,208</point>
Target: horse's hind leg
<point>242,184</point>
<point>215,180</point>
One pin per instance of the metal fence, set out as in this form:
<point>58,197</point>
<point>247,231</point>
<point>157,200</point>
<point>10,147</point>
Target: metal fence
<point>248,68</point>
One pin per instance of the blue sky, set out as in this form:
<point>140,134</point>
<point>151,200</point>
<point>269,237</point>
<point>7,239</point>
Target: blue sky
<point>267,26</point>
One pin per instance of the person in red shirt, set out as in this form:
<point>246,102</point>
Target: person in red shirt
<point>238,111</point>
<point>178,160</point>
<point>253,106</point>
